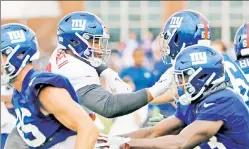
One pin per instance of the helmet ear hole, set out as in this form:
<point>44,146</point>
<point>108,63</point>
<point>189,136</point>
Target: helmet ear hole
<point>177,39</point>
<point>203,77</point>
<point>196,28</point>
<point>239,38</point>
<point>74,42</point>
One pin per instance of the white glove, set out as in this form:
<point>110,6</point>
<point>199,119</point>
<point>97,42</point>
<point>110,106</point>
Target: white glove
<point>154,120</point>
<point>112,142</point>
<point>114,84</point>
<point>163,84</point>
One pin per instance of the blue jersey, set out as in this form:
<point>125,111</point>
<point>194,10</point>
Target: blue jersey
<point>237,78</point>
<point>36,129</point>
<point>234,133</point>
<point>243,63</point>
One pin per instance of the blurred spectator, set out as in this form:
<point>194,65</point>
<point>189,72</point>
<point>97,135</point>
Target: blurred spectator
<point>160,68</point>
<point>132,121</point>
<point>146,45</point>
<point>139,74</point>
<point>115,61</point>
<point>221,47</point>
<point>130,45</point>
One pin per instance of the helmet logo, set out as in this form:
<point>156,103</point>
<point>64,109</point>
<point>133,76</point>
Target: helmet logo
<point>176,22</point>
<point>79,25</point>
<point>17,36</point>
<point>198,58</point>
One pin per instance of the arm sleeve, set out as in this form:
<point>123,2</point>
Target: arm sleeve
<point>97,99</point>
<point>179,115</point>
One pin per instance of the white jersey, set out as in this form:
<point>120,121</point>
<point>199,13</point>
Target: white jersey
<point>81,74</point>
<point>78,72</point>
<point>8,121</point>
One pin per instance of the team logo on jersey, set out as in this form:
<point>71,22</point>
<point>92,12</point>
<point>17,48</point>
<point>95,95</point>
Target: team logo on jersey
<point>79,25</point>
<point>198,58</point>
<point>176,22</point>
<point>17,36</point>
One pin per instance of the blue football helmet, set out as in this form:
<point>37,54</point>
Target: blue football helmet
<point>19,45</point>
<point>182,29</point>
<point>85,34</point>
<point>241,41</point>
<point>196,69</point>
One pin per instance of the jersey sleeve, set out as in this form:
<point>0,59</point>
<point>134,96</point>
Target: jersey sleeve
<point>178,113</point>
<point>214,109</point>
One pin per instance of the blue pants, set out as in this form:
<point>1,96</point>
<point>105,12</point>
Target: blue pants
<point>3,139</point>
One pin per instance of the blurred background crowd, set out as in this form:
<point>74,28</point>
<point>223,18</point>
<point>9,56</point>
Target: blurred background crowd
<point>134,27</point>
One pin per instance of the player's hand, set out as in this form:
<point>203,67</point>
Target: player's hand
<point>154,120</point>
<point>163,84</point>
<point>9,105</point>
<point>112,142</point>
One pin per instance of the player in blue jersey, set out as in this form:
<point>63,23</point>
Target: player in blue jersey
<point>206,118</point>
<point>241,43</point>
<point>186,28</point>
<point>46,105</point>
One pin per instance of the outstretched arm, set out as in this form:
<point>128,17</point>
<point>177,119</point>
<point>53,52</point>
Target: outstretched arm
<point>190,137</point>
<point>97,99</point>
<point>58,102</point>
<point>170,125</point>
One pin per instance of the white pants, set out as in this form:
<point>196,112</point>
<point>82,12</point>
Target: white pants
<point>69,143</point>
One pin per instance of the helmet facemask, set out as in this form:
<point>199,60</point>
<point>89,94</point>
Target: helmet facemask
<point>7,69</point>
<point>186,91</point>
<point>97,52</point>
<point>164,42</point>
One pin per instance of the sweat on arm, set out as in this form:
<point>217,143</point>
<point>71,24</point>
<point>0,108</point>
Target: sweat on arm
<point>97,99</point>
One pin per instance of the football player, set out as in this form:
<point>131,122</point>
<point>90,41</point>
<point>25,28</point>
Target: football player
<point>206,116</point>
<point>46,105</point>
<point>81,56</point>
<point>186,28</point>
<point>241,47</point>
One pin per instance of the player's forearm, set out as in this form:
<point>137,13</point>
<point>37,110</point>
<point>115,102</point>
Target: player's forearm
<point>97,99</point>
<point>169,142</point>
<point>164,98</point>
<point>86,138</point>
<point>6,98</point>
<point>140,134</point>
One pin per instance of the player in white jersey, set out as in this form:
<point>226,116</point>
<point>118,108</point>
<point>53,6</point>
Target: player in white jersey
<point>81,55</point>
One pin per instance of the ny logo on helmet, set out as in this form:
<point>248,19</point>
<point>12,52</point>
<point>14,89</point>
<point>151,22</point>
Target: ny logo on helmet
<point>16,36</point>
<point>176,22</point>
<point>78,25</point>
<point>198,58</point>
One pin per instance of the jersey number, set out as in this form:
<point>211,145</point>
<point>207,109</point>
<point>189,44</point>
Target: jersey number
<point>239,85</point>
<point>28,128</point>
